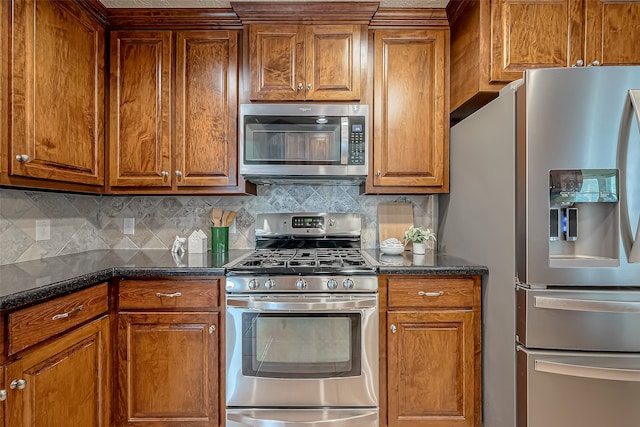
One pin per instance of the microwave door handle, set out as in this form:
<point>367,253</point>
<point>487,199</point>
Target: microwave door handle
<point>344,140</point>
<point>628,184</point>
<point>587,371</point>
<point>280,418</point>
<point>301,305</point>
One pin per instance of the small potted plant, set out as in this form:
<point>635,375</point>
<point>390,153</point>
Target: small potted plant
<point>420,237</point>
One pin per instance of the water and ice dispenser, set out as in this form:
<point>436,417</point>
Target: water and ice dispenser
<point>584,218</point>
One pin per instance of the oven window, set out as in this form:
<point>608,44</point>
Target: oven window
<point>292,140</point>
<point>288,345</point>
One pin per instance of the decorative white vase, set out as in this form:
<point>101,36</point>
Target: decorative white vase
<point>419,248</point>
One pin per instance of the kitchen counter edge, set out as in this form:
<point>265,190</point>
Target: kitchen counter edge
<point>30,282</point>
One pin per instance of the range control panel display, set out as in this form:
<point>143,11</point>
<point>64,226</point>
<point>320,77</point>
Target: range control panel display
<point>307,222</point>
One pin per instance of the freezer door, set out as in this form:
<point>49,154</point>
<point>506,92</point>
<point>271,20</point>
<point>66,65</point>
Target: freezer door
<point>565,319</point>
<point>560,389</point>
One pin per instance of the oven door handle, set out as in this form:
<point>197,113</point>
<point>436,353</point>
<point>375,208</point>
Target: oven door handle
<point>277,418</point>
<point>302,305</point>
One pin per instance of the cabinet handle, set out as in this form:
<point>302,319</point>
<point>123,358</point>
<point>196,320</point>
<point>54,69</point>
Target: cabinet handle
<point>173,295</point>
<point>3,395</point>
<point>579,63</point>
<point>164,174</point>
<point>23,158</point>
<point>378,173</point>
<point>309,86</point>
<point>430,294</point>
<point>300,86</point>
<point>594,63</point>
<point>18,384</point>
<point>67,314</point>
<point>212,329</point>
<point>179,174</point>
<point>393,329</point>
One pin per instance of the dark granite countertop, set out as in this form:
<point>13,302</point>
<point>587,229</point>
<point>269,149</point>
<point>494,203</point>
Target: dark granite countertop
<point>29,282</point>
<point>429,263</point>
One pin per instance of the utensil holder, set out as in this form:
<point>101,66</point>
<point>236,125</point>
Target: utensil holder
<point>219,239</point>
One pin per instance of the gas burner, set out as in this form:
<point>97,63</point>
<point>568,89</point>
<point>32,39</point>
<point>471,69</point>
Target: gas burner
<point>307,252</point>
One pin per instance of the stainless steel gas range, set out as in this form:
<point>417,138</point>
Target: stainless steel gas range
<point>302,326</point>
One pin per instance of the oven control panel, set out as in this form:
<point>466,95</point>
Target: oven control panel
<point>307,222</point>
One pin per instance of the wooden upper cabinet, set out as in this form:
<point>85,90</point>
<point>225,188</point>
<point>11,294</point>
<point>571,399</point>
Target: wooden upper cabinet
<point>57,130</point>
<point>494,41</point>
<point>533,34</point>
<point>612,32</point>
<point>146,100</point>
<point>140,103</point>
<point>313,63</point>
<point>411,127</point>
<point>206,152</point>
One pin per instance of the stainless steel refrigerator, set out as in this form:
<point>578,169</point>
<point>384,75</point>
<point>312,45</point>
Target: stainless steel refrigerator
<point>545,191</point>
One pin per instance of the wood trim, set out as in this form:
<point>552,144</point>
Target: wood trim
<point>305,12</point>
<point>407,17</point>
<point>96,9</point>
<point>174,19</point>
<point>455,9</point>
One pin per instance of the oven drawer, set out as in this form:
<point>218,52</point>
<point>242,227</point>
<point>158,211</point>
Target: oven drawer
<point>34,324</point>
<point>161,293</point>
<point>560,389</point>
<point>301,417</point>
<point>430,292</point>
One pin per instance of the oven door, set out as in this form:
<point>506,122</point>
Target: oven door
<point>302,350</point>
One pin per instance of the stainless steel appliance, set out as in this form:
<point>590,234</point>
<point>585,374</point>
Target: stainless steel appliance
<point>302,326</point>
<point>545,191</point>
<point>322,142</point>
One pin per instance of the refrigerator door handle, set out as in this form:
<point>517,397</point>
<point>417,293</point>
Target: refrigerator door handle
<point>586,305</point>
<point>587,371</point>
<point>631,243</point>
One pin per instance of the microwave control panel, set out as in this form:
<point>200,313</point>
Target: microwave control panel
<point>357,140</point>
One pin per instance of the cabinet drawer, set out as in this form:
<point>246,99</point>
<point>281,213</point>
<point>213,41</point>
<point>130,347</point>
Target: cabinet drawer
<point>430,292</point>
<point>168,293</point>
<point>34,324</point>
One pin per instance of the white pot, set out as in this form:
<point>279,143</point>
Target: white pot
<point>419,248</point>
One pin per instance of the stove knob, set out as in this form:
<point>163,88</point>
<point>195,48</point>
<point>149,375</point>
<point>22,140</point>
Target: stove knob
<point>253,284</point>
<point>347,283</point>
<point>269,284</point>
<point>332,284</point>
<point>301,284</point>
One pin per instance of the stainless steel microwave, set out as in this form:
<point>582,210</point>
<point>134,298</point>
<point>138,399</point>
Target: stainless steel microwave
<point>318,142</point>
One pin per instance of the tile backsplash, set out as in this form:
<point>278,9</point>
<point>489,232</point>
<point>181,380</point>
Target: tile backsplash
<point>84,222</point>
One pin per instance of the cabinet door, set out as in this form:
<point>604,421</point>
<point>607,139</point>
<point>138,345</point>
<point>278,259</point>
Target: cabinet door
<point>206,108</point>
<point>4,390</point>
<point>140,102</point>
<point>168,369</point>
<point>431,369</point>
<point>67,381</point>
<point>613,32</point>
<point>57,89</point>
<point>411,118</point>
<point>534,34</point>
<point>276,62</point>
<point>332,62</point>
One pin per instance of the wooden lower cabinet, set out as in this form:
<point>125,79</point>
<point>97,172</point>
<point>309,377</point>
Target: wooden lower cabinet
<point>66,382</point>
<point>168,369</point>
<point>433,376</point>
<point>168,352</point>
